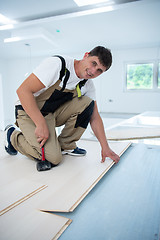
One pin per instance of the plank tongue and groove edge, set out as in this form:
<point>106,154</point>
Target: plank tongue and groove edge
<point>77,176</point>
<point>98,179</point>
<point>12,194</point>
<point>25,222</point>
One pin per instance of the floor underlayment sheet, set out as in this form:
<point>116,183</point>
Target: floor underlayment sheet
<point>125,205</point>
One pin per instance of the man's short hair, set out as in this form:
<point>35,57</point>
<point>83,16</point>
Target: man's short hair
<point>104,55</point>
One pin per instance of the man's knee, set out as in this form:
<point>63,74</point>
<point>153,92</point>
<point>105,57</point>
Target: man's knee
<point>53,157</point>
<point>84,117</point>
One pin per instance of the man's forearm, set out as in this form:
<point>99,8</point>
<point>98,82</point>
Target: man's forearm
<point>25,93</point>
<point>30,106</point>
<point>98,129</point>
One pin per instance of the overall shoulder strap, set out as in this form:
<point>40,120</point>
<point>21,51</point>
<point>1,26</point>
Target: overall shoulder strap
<point>82,83</point>
<point>79,86</point>
<point>64,72</point>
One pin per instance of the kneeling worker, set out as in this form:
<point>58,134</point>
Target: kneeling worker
<point>60,91</point>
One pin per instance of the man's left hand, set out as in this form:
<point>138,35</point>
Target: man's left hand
<point>109,153</point>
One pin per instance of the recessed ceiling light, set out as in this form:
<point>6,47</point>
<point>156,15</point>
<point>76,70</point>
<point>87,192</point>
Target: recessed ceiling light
<point>6,26</point>
<point>97,10</point>
<point>89,2</point>
<point>6,20</point>
<point>12,39</point>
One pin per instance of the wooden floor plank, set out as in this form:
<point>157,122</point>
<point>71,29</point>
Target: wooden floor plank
<point>76,177</point>
<point>17,192</point>
<point>25,222</point>
<point>68,184</point>
<point>141,126</point>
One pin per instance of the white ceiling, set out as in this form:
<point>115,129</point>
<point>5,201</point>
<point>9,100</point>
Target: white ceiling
<point>55,26</point>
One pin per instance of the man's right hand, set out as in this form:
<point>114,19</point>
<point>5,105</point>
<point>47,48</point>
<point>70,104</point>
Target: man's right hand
<point>42,134</point>
<point>26,95</point>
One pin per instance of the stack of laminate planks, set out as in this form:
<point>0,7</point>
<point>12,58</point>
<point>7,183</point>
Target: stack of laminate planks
<point>24,191</point>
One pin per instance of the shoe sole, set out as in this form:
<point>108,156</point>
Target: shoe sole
<point>6,142</point>
<point>73,154</point>
<point>9,152</point>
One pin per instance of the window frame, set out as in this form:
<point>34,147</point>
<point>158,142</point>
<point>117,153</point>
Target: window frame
<point>155,87</point>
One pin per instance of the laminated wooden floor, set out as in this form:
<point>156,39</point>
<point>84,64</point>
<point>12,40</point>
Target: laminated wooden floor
<point>16,192</point>
<point>16,184</point>
<point>26,222</point>
<point>75,178</point>
<point>68,184</point>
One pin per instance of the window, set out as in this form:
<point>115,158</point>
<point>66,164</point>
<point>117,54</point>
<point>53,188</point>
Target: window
<point>143,76</point>
<point>140,76</point>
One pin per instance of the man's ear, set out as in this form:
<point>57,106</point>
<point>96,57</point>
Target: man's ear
<point>86,55</point>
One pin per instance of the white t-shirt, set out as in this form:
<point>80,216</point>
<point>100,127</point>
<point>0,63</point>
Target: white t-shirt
<point>48,73</point>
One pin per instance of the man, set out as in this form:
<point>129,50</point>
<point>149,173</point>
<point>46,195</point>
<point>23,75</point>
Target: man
<point>59,92</point>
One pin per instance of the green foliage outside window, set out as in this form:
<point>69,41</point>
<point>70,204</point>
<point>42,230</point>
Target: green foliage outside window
<point>140,76</point>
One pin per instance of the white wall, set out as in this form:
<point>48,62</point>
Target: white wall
<point>110,85</point>
<point>13,74</point>
<point>2,93</point>
<point>1,106</point>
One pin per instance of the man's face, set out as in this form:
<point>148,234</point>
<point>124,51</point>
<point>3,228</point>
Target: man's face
<point>91,67</point>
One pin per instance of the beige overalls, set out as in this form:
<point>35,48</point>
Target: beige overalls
<point>59,107</point>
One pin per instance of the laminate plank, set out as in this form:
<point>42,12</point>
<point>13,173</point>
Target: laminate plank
<point>77,176</point>
<point>69,182</point>
<point>141,126</point>
<point>25,222</point>
<point>136,132</point>
<point>17,192</point>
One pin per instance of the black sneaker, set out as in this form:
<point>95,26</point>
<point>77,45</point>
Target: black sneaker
<point>75,152</point>
<point>8,145</point>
